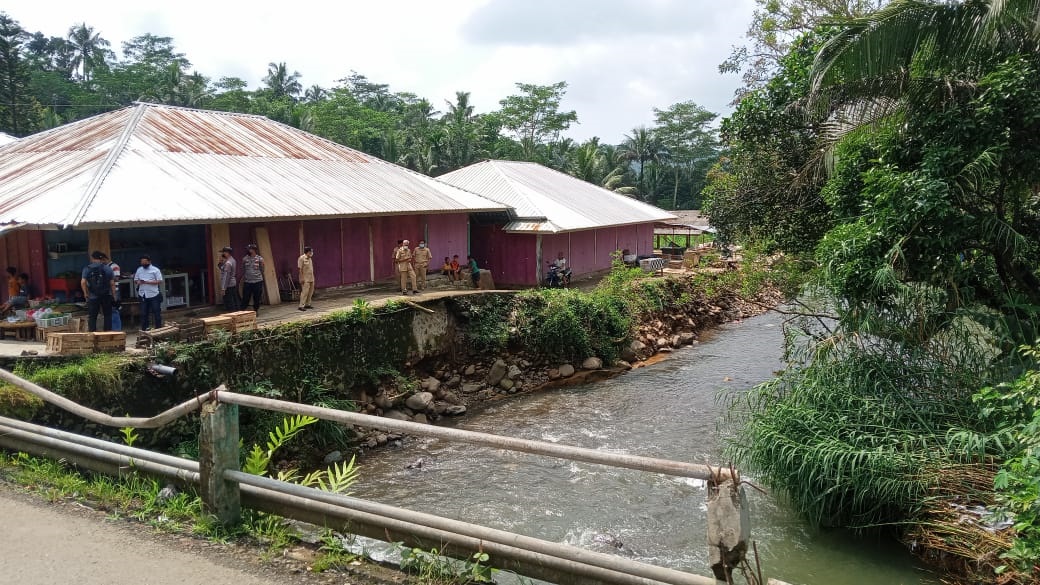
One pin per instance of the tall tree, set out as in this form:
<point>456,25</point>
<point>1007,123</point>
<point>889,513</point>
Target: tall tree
<point>19,111</point>
<point>643,147</point>
<point>534,116</point>
<point>462,130</point>
<point>279,83</point>
<point>90,51</point>
<point>685,131</point>
<point>775,26</point>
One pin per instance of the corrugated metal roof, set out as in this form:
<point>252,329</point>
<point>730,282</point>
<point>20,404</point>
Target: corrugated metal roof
<point>6,139</point>
<point>545,200</point>
<point>150,164</point>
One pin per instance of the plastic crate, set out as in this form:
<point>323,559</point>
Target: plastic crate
<point>53,321</point>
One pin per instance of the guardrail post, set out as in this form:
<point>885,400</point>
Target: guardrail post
<point>729,527</point>
<point>218,450</point>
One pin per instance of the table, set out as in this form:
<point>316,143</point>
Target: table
<point>168,279</point>
<point>23,330</point>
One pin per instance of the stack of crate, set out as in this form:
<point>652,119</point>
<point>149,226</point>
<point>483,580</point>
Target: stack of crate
<point>218,323</point>
<point>242,320</point>
<point>71,343</point>
<point>110,341</point>
<point>86,343</point>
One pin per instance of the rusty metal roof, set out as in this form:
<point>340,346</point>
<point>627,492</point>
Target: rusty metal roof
<point>548,201</point>
<point>160,164</point>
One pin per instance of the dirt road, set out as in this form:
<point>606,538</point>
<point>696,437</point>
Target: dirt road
<point>48,544</point>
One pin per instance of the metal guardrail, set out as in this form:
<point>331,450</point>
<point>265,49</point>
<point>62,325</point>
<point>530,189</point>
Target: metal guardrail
<point>224,488</point>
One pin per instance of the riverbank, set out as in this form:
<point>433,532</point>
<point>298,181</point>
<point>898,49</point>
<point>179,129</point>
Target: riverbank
<point>422,360</point>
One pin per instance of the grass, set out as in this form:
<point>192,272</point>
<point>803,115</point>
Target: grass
<point>142,499</point>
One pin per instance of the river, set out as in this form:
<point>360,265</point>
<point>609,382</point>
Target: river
<point>665,410</point>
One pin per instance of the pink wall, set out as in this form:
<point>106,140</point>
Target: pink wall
<point>510,257</point>
<point>385,233</point>
<point>285,247</point>
<point>355,263</point>
<point>324,237</point>
<point>448,235</point>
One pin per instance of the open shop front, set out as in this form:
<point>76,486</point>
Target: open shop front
<point>179,251</point>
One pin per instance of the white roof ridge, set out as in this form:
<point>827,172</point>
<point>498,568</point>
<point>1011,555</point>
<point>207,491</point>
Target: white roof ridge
<point>106,166</point>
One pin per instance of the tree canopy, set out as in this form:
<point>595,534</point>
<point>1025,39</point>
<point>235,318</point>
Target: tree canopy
<point>48,81</point>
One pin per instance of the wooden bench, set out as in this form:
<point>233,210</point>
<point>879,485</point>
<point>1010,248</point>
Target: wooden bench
<point>21,330</point>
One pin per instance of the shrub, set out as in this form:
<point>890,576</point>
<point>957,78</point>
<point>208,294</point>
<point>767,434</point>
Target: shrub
<point>15,403</point>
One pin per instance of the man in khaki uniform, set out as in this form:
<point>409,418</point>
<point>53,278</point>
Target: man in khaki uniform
<point>403,259</point>
<point>306,266</point>
<point>422,257</point>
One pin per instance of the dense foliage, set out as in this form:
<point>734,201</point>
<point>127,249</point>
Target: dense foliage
<point>48,81</point>
<point>897,151</point>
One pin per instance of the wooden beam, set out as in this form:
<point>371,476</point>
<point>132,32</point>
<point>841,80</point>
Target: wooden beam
<point>99,240</point>
<point>263,241</point>
<point>219,236</point>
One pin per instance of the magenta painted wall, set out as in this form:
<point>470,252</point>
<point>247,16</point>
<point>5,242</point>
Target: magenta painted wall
<point>285,247</point>
<point>355,263</point>
<point>385,233</point>
<point>324,237</point>
<point>510,257</point>
<point>582,257</point>
<point>447,235</point>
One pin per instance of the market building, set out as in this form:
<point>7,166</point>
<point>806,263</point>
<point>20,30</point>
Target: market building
<point>180,184</point>
<point>551,212</point>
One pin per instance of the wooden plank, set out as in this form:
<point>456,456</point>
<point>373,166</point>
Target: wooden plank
<point>263,241</point>
<point>99,240</point>
<point>219,236</point>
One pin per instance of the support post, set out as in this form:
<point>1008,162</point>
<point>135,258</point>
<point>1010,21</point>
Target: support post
<point>729,527</point>
<point>218,450</point>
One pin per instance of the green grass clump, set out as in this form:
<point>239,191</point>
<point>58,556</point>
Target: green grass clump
<point>84,380</point>
<point>15,403</point>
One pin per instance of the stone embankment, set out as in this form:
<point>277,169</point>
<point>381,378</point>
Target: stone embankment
<point>446,388</point>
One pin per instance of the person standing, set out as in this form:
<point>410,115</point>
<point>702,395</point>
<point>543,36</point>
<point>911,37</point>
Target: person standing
<point>474,271</point>
<point>149,279</point>
<point>228,279</point>
<point>422,258</point>
<point>117,318</point>
<point>99,288</point>
<point>403,259</point>
<point>252,278</point>
<point>306,266</point>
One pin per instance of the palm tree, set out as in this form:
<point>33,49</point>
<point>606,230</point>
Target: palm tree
<point>280,83</point>
<point>919,53</point>
<point>642,146</point>
<point>918,57</point>
<point>461,132</point>
<point>315,93</point>
<point>88,50</point>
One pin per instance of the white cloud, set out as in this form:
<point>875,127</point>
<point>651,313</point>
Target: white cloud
<point>621,58</point>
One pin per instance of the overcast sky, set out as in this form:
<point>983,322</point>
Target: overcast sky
<point>621,58</point>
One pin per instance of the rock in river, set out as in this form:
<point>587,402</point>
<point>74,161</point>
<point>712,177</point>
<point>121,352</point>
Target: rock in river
<point>592,363</point>
<point>497,372</point>
<point>419,401</point>
<point>566,370</point>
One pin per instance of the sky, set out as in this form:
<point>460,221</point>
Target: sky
<point>620,58</point>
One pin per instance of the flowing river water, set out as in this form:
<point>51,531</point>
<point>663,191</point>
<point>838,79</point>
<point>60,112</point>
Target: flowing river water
<point>664,410</point>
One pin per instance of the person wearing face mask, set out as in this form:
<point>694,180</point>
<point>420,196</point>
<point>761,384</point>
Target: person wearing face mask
<point>306,265</point>
<point>148,280</point>
<point>228,279</point>
<point>403,259</point>
<point>422,258</point>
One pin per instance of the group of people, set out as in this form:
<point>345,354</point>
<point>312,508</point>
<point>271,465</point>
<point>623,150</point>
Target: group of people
<point>253,278</point>
<point>99,283</point>
<point>453,270</point>
<point>414,264</point>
